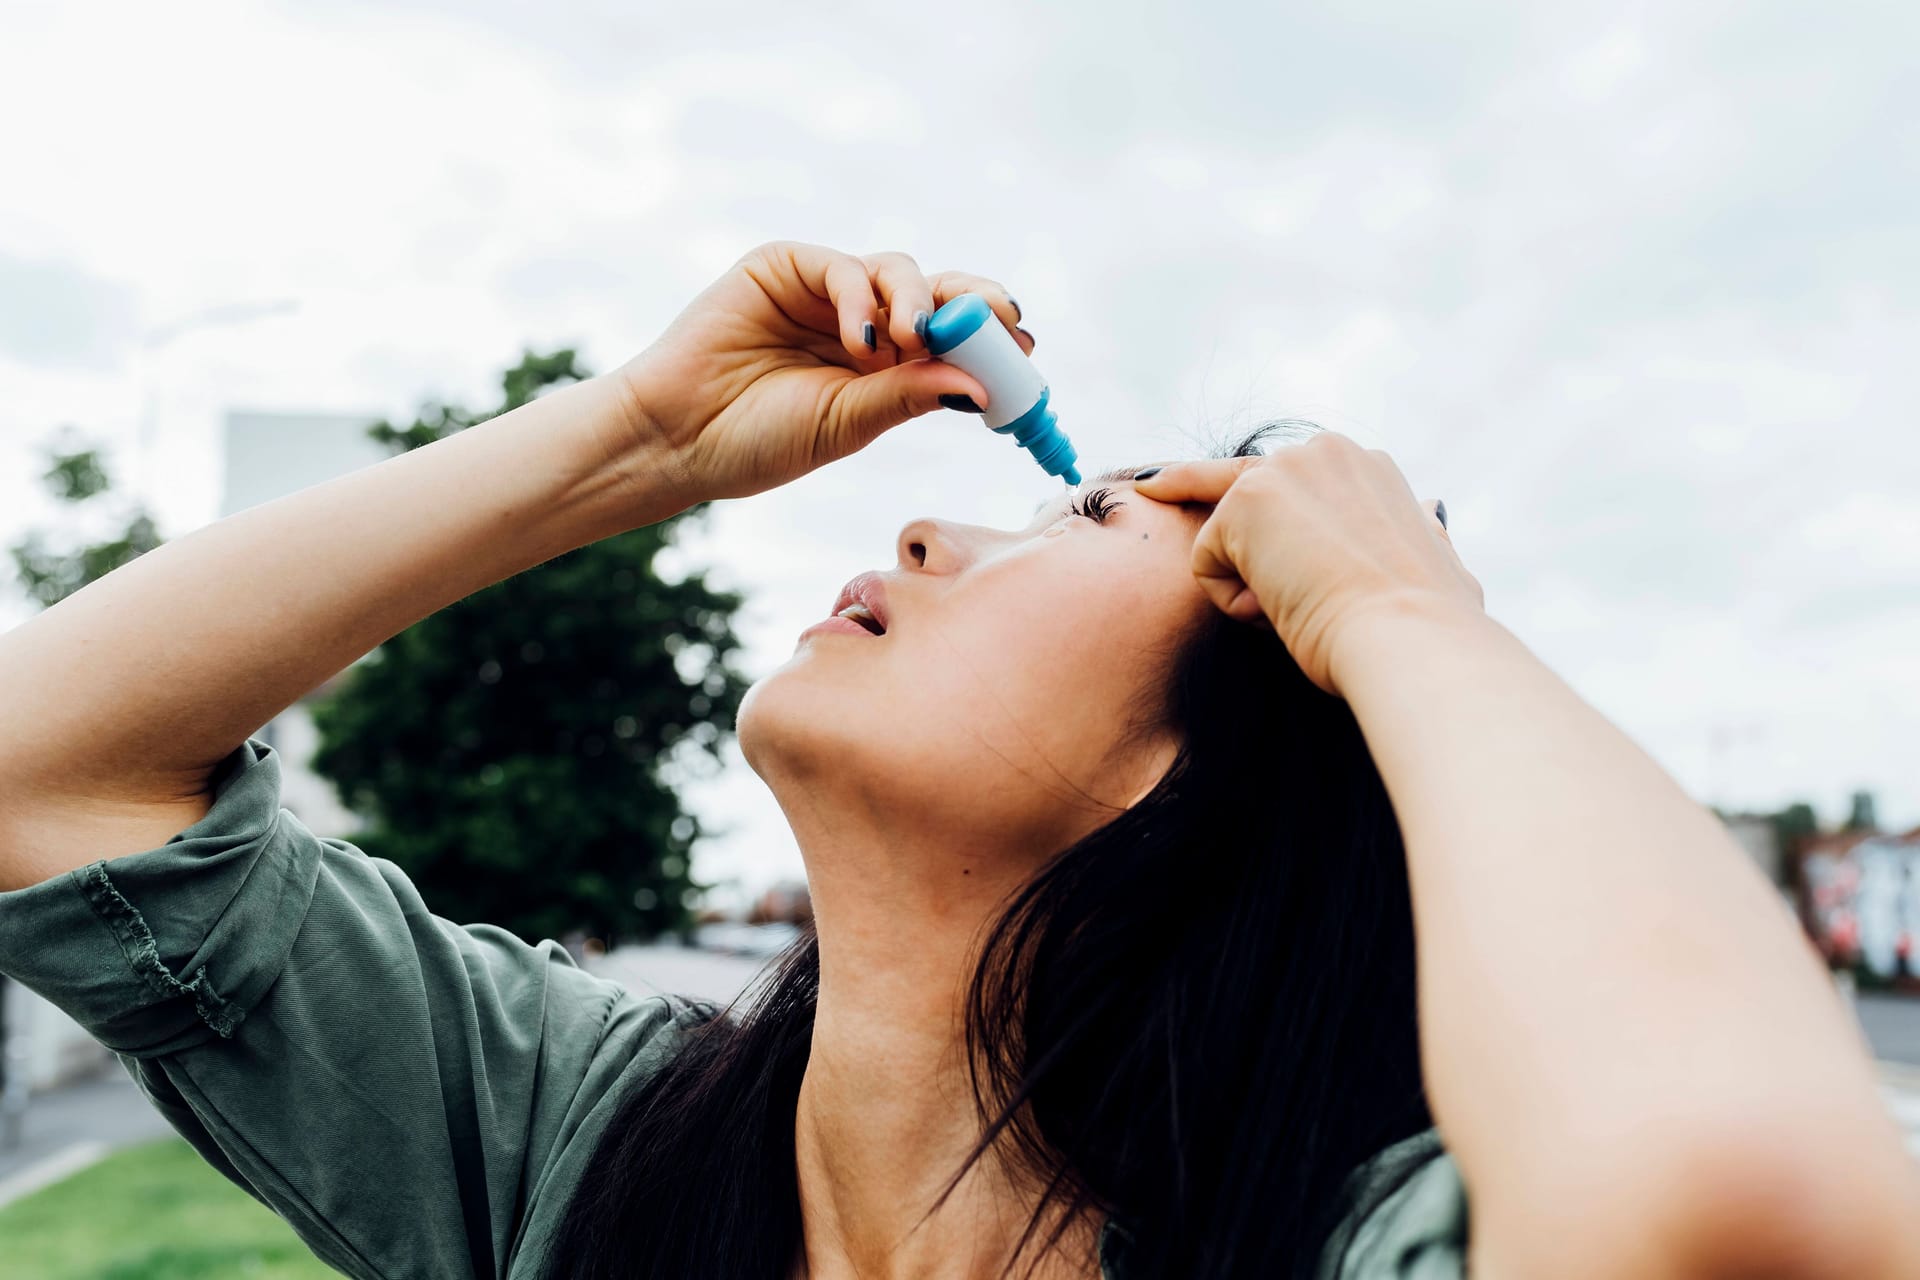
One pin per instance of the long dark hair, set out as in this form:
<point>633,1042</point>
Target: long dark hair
<point>1196,1021</point>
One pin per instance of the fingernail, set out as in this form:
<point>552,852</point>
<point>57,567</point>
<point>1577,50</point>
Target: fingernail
<point>920,321</point>
<point>1018,329</point>
<point>1015,304</point>
<point>964,404</point>
<point>866,332</point>
<point>1146,473</point>
<point>1440,512</point>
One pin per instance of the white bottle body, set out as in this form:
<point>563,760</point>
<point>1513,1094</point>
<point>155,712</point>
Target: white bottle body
<point>996,361</point>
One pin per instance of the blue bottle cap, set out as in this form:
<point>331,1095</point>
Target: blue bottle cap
<point>956,321</point>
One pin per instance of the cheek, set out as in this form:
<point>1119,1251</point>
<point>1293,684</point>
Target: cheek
<point>1072,664</point>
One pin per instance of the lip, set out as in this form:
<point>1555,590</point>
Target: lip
<point>838,626</point>
<point>867,589</point>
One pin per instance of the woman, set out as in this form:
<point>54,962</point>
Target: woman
<point>1115,929</point>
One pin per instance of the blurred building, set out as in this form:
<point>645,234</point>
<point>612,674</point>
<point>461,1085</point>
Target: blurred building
<point>267,456</point>
<point>785,902</point>
<point>1860,898</point>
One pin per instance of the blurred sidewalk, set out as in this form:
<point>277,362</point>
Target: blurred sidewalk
<point>68,1128</point>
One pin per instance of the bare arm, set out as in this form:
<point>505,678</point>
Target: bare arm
<point>1630,1049</point>
<point>116,704</point>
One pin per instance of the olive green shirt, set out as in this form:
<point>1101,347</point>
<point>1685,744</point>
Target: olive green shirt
<point>416,1098</point>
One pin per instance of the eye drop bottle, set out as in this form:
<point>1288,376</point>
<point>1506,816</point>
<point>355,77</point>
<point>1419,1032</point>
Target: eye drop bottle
<point>966,335</point>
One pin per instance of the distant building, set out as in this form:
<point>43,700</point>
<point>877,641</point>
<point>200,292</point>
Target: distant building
<point>785,902</point>
<point>267,456</point>
<point>1860,898</point>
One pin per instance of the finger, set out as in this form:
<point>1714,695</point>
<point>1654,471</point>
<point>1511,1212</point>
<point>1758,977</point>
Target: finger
<point>1232,597</point>
<point>948,285</point>
<point>865,406</point>
<point>1202,480</point>
<point>1218,576</point>
<point>902,286</point>
<point>842,280</point>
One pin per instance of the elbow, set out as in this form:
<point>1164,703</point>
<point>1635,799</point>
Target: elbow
<point>1794,1205</point>
<point>1787,1201</point>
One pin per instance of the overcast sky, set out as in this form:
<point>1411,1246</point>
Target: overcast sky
<point>1635,288</point>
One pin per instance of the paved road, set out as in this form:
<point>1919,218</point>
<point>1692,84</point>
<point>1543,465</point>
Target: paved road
<point>1892,1024</point>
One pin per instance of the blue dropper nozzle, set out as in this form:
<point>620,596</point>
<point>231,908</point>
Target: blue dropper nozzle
<point>1038,432</point>
<point>964,333</point>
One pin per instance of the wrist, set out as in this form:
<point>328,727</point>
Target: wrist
<point>1397,629</point>
<point>635,446</point>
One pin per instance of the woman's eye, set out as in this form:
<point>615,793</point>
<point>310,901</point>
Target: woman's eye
<point>1096,506</point>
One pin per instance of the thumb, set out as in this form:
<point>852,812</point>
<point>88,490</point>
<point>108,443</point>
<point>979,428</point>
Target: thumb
<point>874,402</point>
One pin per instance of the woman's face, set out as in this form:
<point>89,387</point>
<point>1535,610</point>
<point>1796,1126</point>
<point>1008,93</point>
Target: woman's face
<point>1016,699</point>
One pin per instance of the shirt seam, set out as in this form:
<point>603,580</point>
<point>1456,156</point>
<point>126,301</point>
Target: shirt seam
<point>142,953</point>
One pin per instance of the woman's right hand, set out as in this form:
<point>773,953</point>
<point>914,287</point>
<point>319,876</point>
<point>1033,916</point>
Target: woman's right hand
<point>797,356</point>
<point>1317,539</point>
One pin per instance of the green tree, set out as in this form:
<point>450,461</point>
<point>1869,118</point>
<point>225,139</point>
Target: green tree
<point>50,567</point>
<point>1862,814</point>
<point>1793,825</point>
<point>515,751</point>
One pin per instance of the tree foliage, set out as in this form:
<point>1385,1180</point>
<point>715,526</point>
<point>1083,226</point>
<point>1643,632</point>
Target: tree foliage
<point>514,752</point>
<point>52,568</point>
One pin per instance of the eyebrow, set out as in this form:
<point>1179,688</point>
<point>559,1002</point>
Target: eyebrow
<point>1114,476</point>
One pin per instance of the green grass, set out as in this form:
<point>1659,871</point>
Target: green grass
<point>152,1212</point>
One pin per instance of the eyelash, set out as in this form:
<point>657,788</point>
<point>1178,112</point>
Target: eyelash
<point>1096,506</point>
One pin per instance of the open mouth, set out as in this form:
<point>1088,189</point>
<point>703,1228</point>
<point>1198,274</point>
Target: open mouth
<point>864,616</point>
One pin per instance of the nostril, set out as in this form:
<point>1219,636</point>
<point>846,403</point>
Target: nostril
<point>918,550</point>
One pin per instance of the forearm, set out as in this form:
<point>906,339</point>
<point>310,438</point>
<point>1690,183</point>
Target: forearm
<point>1601,970</point>
<point>136,686</point>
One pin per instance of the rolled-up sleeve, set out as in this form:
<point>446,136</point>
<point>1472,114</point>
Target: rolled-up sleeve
<point>397,1086</point>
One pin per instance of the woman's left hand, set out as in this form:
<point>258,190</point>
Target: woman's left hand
<point>1316,539</point>
<point>797,356</point>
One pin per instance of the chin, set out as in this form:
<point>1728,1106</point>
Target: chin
<point>790,725</point>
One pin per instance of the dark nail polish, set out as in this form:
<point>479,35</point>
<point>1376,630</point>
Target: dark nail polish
<point>920,322</point>
<point>1145,473</point>
<point>1017,329</point>
<point>1014,302</point>
<point>964,404</point>
<point>866,332</point>
<point>1440,512</point>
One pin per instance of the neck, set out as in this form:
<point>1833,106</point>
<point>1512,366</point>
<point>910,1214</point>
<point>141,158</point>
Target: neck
<point>886,1114</point>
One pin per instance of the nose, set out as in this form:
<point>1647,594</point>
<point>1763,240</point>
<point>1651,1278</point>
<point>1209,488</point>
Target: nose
<point>938,546</point>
